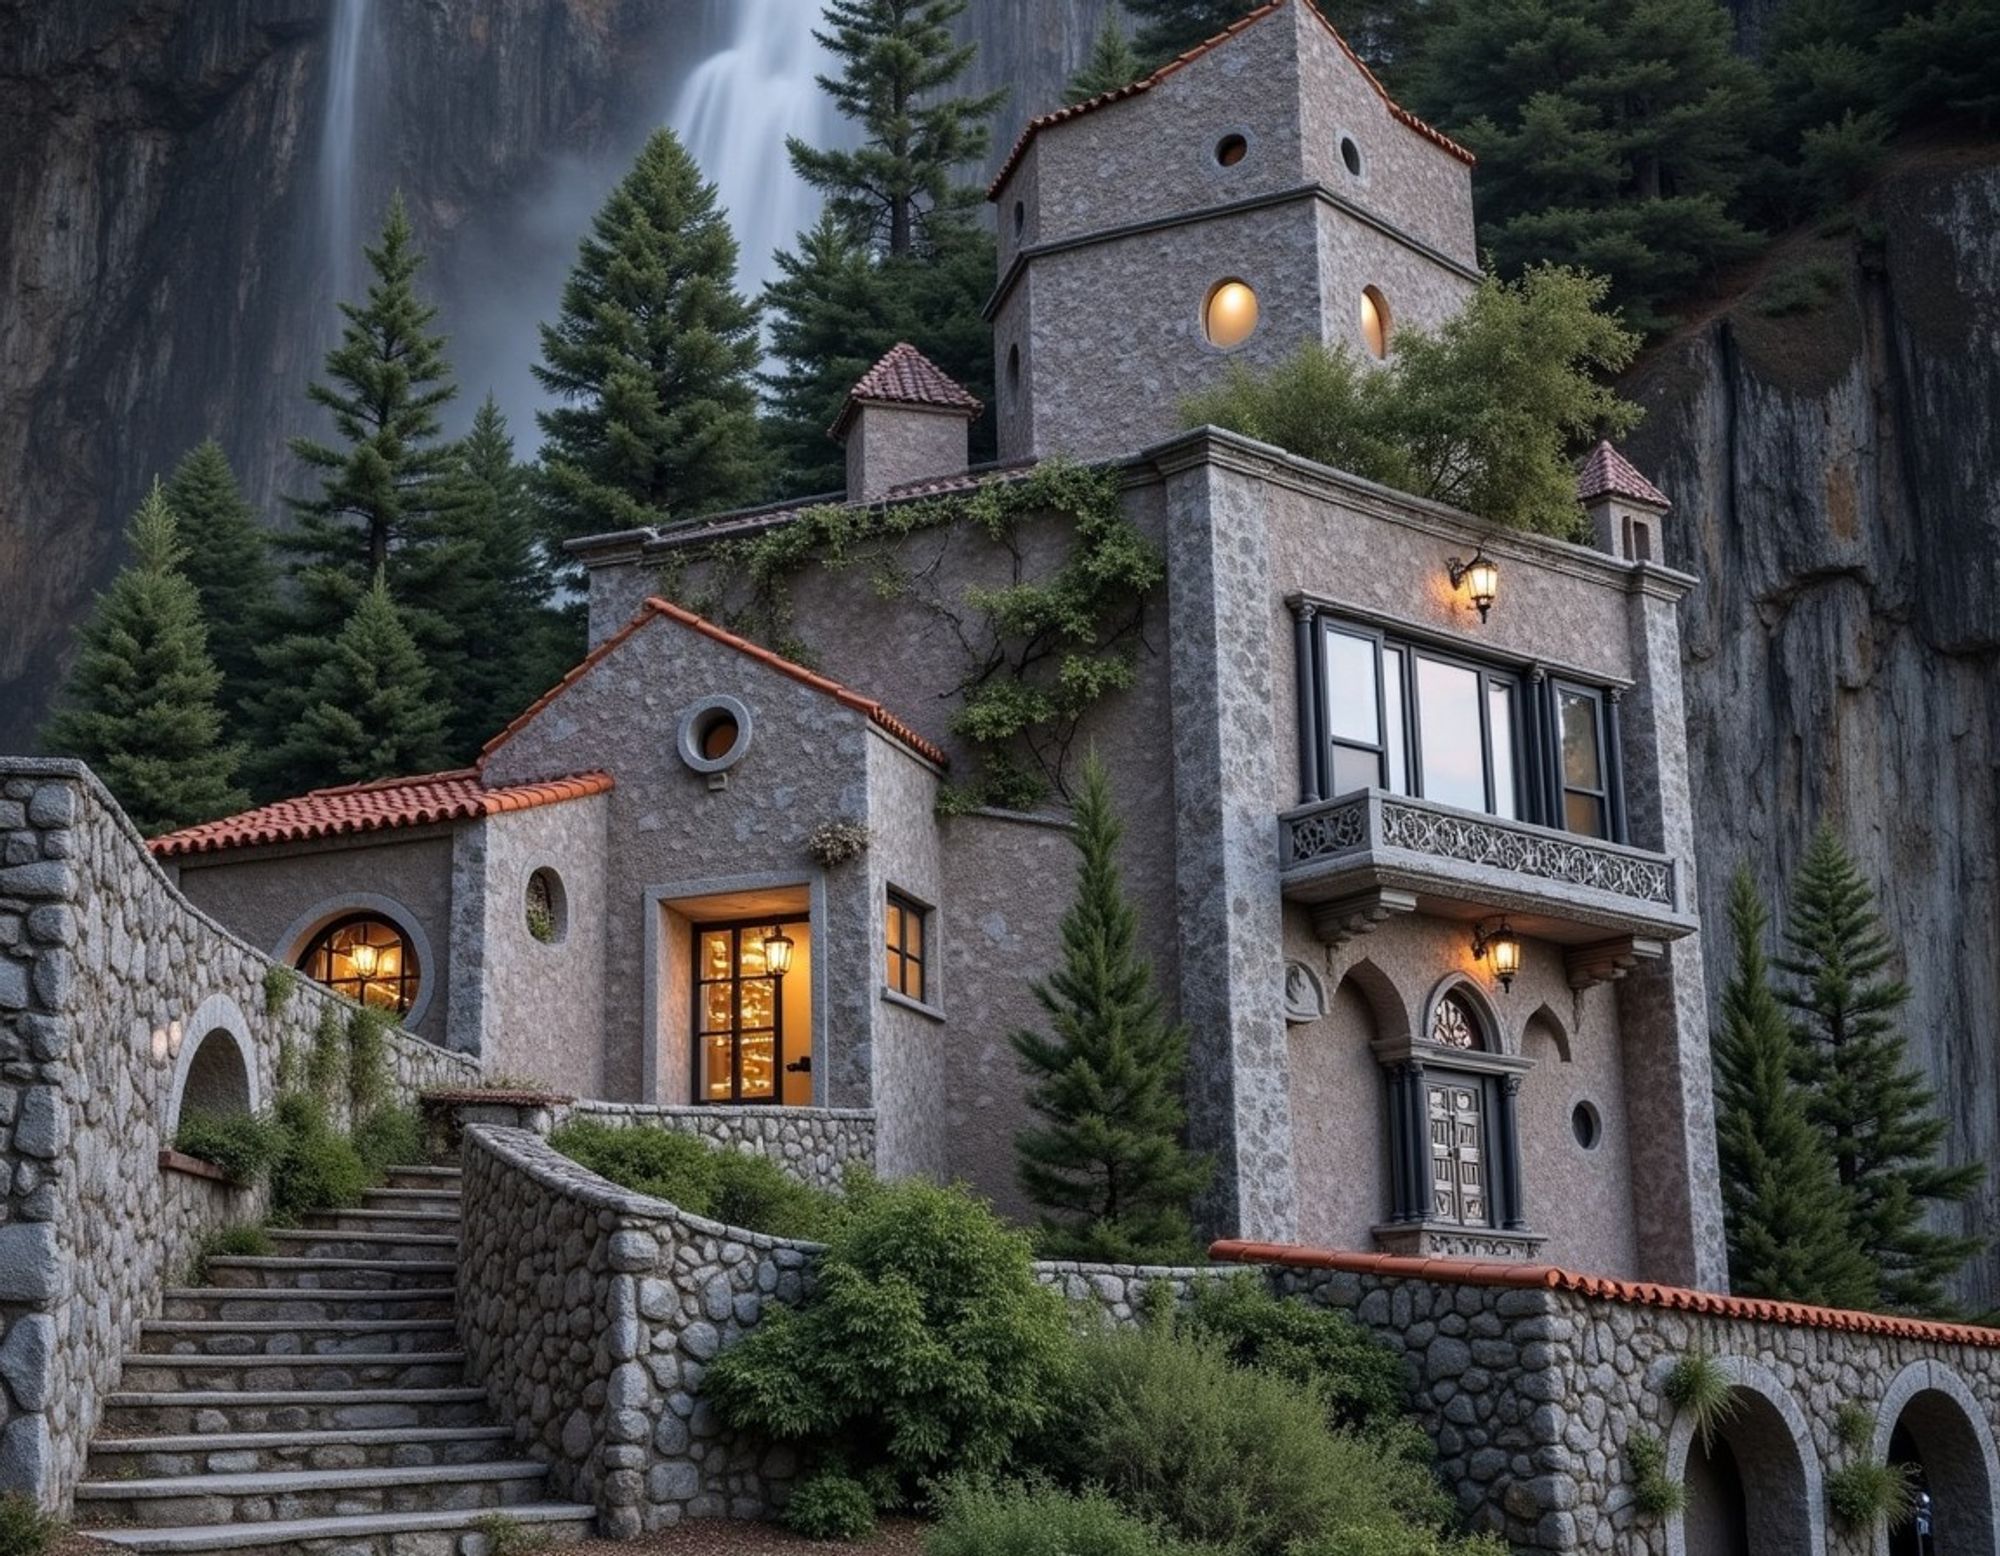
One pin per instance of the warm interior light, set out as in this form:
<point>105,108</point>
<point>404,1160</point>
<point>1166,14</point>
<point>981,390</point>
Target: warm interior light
<point>1479,578</point>
<point>1231,314</point>
<point>363,956</point>
<point>778,952</point>
<point>1501,949</point>
<point>1375,322</point>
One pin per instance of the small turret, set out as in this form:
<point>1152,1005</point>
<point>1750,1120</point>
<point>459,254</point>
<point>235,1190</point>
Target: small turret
<point>906,420</point>
<point>1626,510</point>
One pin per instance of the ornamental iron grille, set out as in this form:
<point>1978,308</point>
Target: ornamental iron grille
<point>1458,1153</point>
<point>1454,1025</point>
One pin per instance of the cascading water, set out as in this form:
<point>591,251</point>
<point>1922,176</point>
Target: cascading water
<point>338,156</point>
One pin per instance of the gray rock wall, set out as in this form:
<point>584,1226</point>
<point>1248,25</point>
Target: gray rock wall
<point>815,1145</point>
<point>111,984</point>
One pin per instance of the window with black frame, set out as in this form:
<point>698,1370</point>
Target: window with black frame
<point>1416,719</point>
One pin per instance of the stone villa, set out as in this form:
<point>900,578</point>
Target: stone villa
<point>1407,814</point>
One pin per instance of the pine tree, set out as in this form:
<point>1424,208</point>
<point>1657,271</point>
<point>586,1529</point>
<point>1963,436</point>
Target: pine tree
<point>1782,1199</point>
<point>227,559</point>
<point>1170,27</point>
<point>1875,1112</point>
<point>1112,64</point>
<point>651,360</point>
<point>140,705</point>
<point>1106,1164</point>
<point>370,710</point>
<point>898,61</point>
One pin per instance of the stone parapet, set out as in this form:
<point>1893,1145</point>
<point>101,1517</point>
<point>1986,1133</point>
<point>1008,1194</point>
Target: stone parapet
<point>814,1144</point>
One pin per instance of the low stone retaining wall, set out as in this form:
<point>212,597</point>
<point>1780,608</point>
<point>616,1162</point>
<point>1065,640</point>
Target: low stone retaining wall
<point>813,1144</point>
<point>116,995</point>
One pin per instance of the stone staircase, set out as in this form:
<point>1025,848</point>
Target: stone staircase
<point>313,1402</point>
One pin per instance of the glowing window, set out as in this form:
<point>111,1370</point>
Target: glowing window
<point>366,958</point>
<point>905,923</point>
<point>1375,321</point>
<point>1230,317</point>
<point>1231,149</point>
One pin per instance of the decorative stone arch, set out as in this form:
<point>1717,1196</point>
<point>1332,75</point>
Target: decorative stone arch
<point>298,934</point>
<point>1468,989</point>
<point>1772,1443</point>
<point>1955,1442</point>
<point>216,1068</point>
<point>1384,1000</point>
<point>1548,1021</point>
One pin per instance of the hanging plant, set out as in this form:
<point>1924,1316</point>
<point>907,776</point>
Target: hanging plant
<point>1699,1386</point>
<point>1863,1494</point>
<point>1655,1492</point>
<point>833,843</point>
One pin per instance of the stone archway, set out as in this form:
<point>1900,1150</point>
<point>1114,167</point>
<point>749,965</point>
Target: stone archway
<point>1757,1489</point>
<point>216,1068</point>
<point>1930,1418</point>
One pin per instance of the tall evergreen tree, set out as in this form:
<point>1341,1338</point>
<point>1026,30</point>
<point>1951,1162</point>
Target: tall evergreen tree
<point>651,360</point>
<point>370,709</point>
<point>1170,27</point>
<point>140,705</point>
<point>1784,1206</point>
<point>1875,1112</point>
<point>227,559</point>
<point>1113,63</point>
<point>1106,1164</point>
<point>898,63</point>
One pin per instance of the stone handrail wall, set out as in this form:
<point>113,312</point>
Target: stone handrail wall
<point>106,975</point>
<point>813,1144</point>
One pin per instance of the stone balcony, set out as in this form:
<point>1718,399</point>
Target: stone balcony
<point>1364,857</point>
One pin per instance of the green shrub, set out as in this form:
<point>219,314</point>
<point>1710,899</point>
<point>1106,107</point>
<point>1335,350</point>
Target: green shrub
<point>247,1240</point>
<point>389,1137</point>
<point>927,1345</point>
<point>730,1186</point>
<point>1852,1424</point>
<point>977,1519</point>
<point>1798,289</point>
<point>1698,1385</point>
<point>279,981</point>
<point>1233,1456</point>
<point>1863,1494</point>
<point>1362,1383</point>
<point>1655,1491</point>
<point>506,1535</point>
<point>25,1530</point>
<point>755,1192</point>
<point>326,1057</point>
<point>315,1167</point>
<point>831,1505</point>
<point>1400,1540</point>
<point>241,1144</point>
<point>367,1058</point>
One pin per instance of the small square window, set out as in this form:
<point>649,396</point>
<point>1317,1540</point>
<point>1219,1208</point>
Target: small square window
<point>906,923</point>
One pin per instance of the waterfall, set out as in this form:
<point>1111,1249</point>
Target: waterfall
<point>733,114</point>
<point>339,129</point>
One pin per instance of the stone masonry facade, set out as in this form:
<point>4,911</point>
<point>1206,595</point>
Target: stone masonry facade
<point>815,1145</point>
<point>111,985</point>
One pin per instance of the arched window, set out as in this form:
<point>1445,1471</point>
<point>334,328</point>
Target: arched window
<point>1375,321</point>
<point>1229,317</point>
<point>1456,1024</point>
<point>366,958</point>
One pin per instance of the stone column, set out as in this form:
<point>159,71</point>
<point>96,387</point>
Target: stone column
<point>1226,786</point>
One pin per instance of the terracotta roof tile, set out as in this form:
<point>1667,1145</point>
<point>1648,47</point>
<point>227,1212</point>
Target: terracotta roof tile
<point>1041,122</point>
<point>656,609</point>
<point>374,807</point>
<point>1608,473</point>
<point>905,376</point>
<point>1605,1288</point>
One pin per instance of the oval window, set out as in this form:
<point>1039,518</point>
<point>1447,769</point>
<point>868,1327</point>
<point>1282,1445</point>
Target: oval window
<point>1375,321</point>
<point>1586,1126</point>
<point>367,959</point>
<point>1231,149</point>
<point>718,735</point>
<point>1230,316</point>
<point>1350,155</point>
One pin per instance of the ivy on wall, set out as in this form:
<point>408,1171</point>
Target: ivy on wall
<point>1037,651</point>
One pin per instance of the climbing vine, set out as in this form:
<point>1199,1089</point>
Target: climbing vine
<point>1059,632</point>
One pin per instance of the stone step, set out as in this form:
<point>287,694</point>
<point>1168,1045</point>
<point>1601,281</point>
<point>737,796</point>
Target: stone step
<point>181,1413</point>
<point>148,1374</point>
<point>176,1502</point>
<point>120,1458</point>
<point>291,1337</point>
<point>305,1305</point>
<point>373,1534</point>
<point>434,1179</point>
<point>444,1202</point>
<point>307,1242</point>
<point>385,1218</point>
<point>374,1273</point>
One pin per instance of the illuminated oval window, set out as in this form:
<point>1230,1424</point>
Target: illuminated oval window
<point>1375,321</point>
<point>1230,315</point>
<point>1231,149</point>
<point>366,958</point>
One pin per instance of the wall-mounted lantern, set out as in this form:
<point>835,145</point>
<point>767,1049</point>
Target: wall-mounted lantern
<point>777,952</point>
<point>1501,947</point>
<point>1480,578</point>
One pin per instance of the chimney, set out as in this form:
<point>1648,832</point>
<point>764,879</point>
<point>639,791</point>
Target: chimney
<point>1626,510</point>
<point>904,421</point>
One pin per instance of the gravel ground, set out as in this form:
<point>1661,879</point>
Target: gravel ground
<point>721,1537</point>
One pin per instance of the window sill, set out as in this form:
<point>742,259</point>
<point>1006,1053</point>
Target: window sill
<point>891,997</point>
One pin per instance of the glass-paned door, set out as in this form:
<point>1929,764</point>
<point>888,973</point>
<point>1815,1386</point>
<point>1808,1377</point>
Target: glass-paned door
<point>739,1014</point>
<point>1458,1153</point>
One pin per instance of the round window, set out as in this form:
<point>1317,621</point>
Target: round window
<point>1230,315</point>
<point>1231,149</point>
<point>1375,321</point>
<point>547,907</point>
<point>714,734</point>
<point>1586,1126</point>
<point>366,958</point>
<point>1350,155</point>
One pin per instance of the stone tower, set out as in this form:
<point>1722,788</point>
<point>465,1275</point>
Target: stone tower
<point>1260,191</point>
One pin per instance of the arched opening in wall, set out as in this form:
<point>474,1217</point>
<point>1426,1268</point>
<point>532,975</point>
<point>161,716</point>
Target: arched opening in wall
<point>1229,316</point>
<point>216,1082</point>
<point>1375,322</point>
<point>1747,1493</point>
<point>368,959</point>
<point>546,907</point>
<point>1951,1475</point>
<point>1339,1149</point>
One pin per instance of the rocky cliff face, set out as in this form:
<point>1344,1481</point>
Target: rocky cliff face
<point>1830,443</point>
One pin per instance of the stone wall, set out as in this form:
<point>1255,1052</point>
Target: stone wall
<point>111,986</point>
<point>815,1145</point>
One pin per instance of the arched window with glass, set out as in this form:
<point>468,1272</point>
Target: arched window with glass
<point>367,958</point>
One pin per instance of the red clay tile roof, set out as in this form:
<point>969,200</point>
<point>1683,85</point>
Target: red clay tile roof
<point>1608,473</point>
<point>374,807</point>
<point>1605,1288</point>
<point>656,608</point>
<point>1397,111</point>
<point>905,376</point>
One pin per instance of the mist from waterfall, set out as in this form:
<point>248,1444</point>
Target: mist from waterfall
<point>339,156</point>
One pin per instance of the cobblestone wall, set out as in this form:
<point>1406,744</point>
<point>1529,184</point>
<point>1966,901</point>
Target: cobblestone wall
<point>813,1144</point>
<point>110,986</point>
